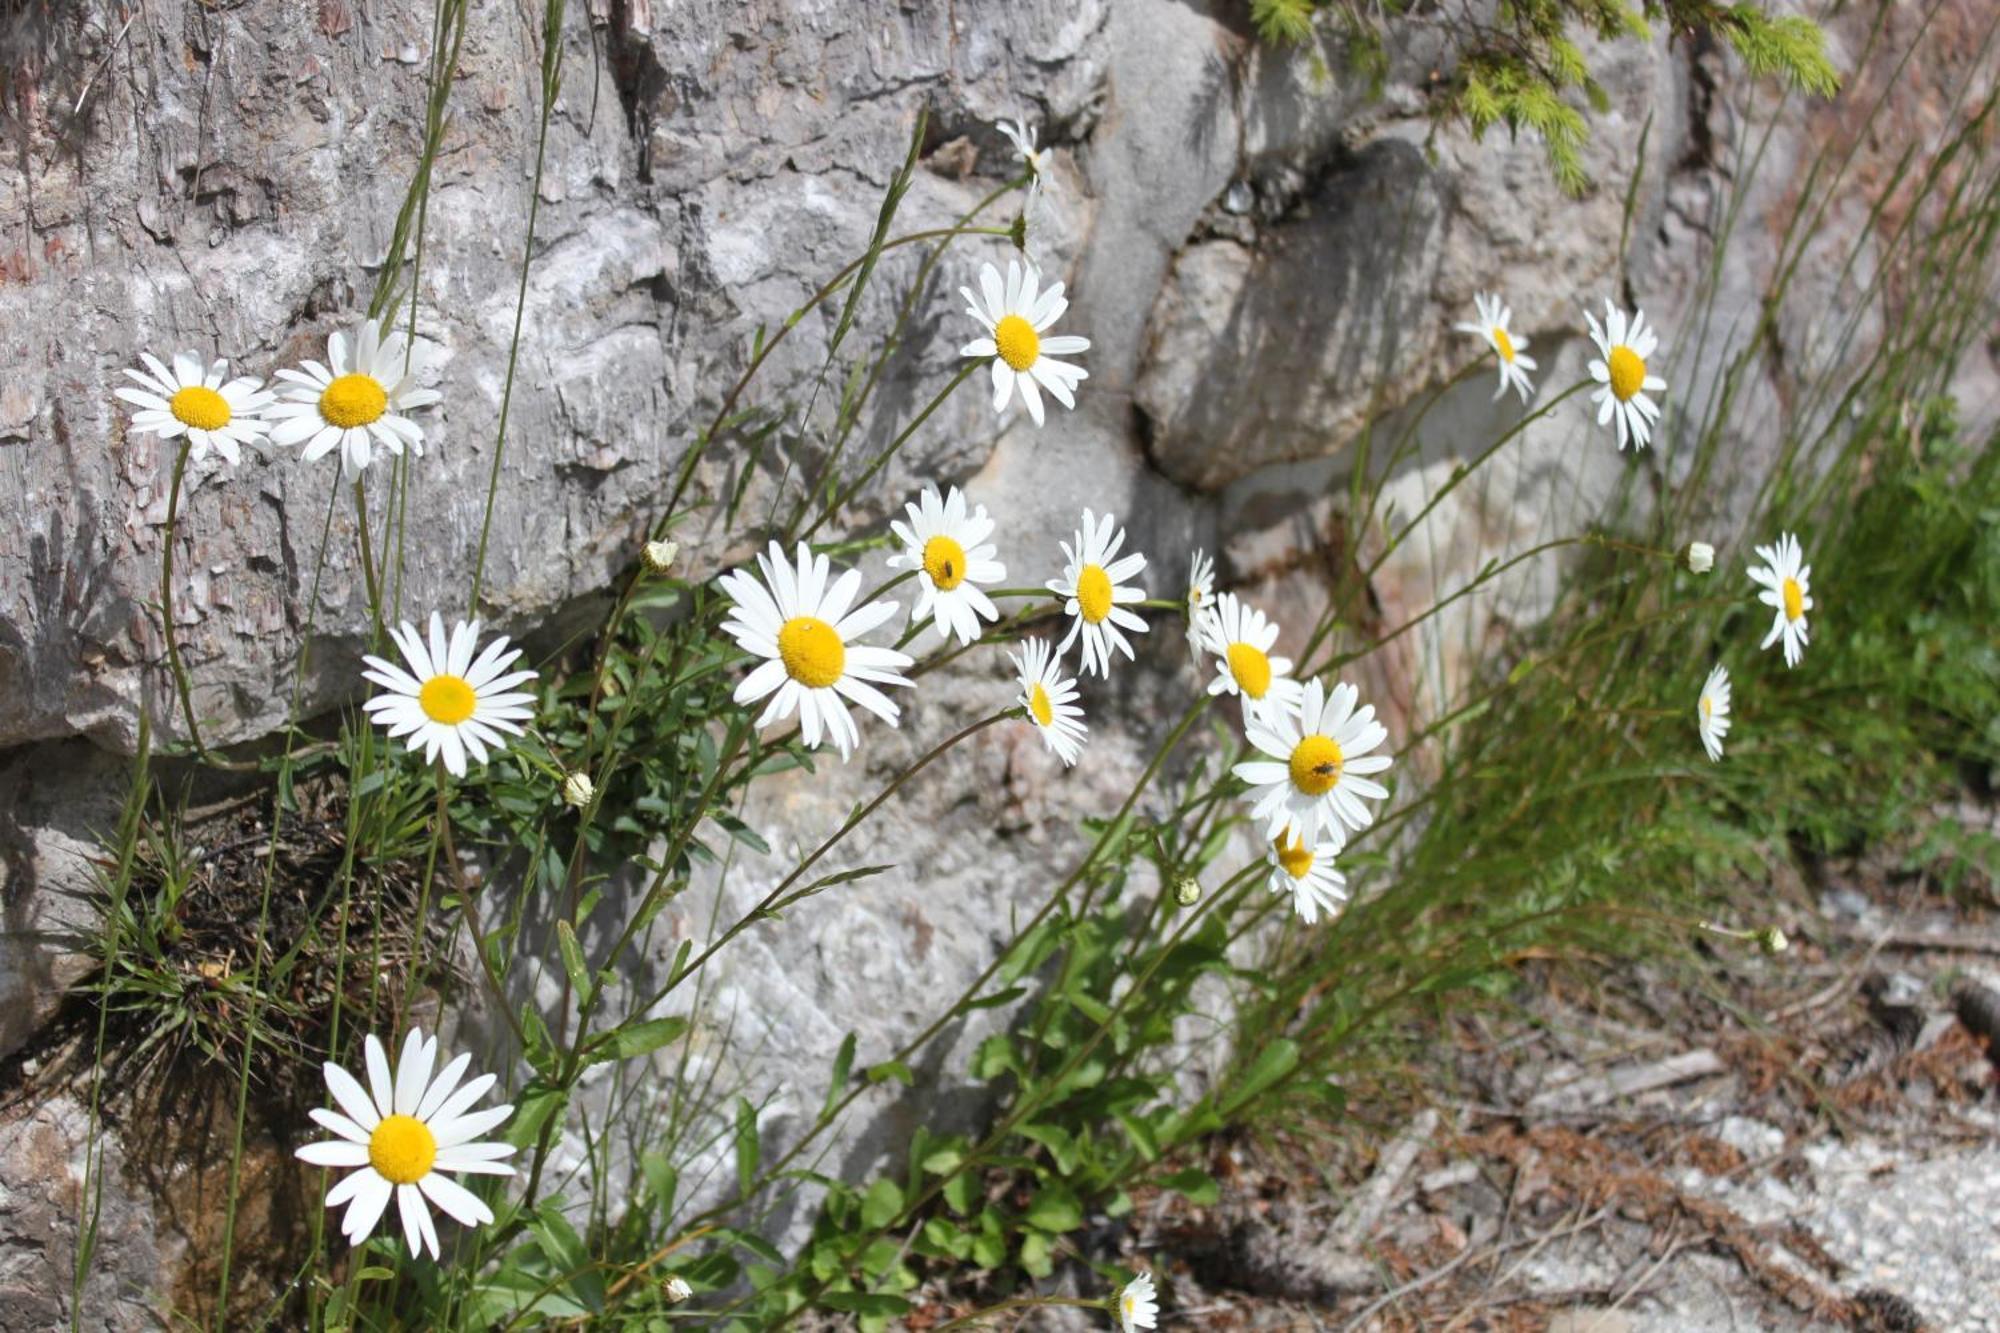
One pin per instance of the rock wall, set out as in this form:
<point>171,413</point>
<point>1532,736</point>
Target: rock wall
<point>1260,257</point>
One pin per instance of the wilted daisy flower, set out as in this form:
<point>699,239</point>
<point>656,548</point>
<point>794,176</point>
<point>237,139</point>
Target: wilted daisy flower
<point>1137,1307</point>
<point>1315,777</point>
<point>1024,143</point>
<point>1092,582</point>
<point>1699,557</point>
<point>1492,326</point>
<point>1712,713</point>
<point>448,701</point>
<point>199,402</point>
<point>807,630</point>
<point>401,1133</point>
<point>1622,372</point>
<point>1787,585</point>
<point>1305,870</point>
<point>1241,637</point>
<point>355,401</point>
<point>1200,605</point>
<point>1017,318</point>
<point>1050,699</point>
<point>947,547</point>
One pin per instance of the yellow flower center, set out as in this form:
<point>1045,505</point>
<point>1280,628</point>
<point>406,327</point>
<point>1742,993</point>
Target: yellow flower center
<point>1293,855</point>
<point>353,400</point>
<point>1795,599</point>
<point>1018,342</point>
<point>1093,593</point>
<point>1316,765</point>
<point>812,651</point>
<point>1194,597</point>
<point>1039,705</point>
<point>1628,373</point>
<point>1131,1304</point>
<point>1505,344</point>
<point>944,561</point>
<point>200,407</point>
<point>1251,668</point>
<point>402,1149</point>
<point>447,699</point>
<point>1707,706</point>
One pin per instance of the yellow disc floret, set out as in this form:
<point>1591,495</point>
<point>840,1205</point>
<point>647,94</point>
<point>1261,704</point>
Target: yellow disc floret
<point>199,407</point>
<point>1039,705</point>
<point>402,1149</point>
<point>353,400</point>
<point>812,651</point>
<point>1251,668</point>
<point>944,561</point>
<point>1018,342</point>
<point>1504,344</point>
<point>447,699</point>
<point>1628,373</point>
<point>1316,764</point>
<point>1293,855</point>
<point>1795,599</point>
<point>1093,593</point>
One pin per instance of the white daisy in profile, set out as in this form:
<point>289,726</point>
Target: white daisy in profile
<point>1494,317</point>
<point>1093,583</point>
<point>948,549</point>
<point>450,701</point>
<point>401,1134</point>
<point>357,400</point>
<point>807,630</point>
<point>1712,713</point>
<point>1050,699</point>
<point>1787,584</point>
<point>1305,870</point>
<point>1023,139</point>
<point>1200,605</point>
<point>1241,637</point>
<point>1017,319</point>
<point>1622,374</point>
<point>1315,776</point>
<point>1137,1306</point>
<point>200,402</point>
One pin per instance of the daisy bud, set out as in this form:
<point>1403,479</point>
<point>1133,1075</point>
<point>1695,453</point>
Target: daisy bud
<point>578,789</point>
<point>659,556</point>
<point>1699,557</point>
<point>1187,891</point>
<point>1017,232</point>
<point>676,1290</point>
<point>1772,941</point>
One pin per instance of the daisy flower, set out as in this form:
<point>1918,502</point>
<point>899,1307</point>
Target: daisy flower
<point>1241,637</point>
<point>1492,326</point>
<point>1024,143</point>
<point>401,1134</point>
<point>1305,870</point>
<point>1017,319</point>
<point>1050,699</point>
<point>199,402</point>
<point>1787,585</point>
<point>450,701</point>
<point>1092,582</point>
<point>1712,713</point>
<point>1622,373</point>
<point>1137,1307</point>
<point>357,401</point>
<point>807,630</point>
<point>1200,593</point>
<point>947,547</point>
<point>1315,775</point>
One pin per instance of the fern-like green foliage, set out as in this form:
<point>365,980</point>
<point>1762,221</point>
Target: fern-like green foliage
<point>1523,71</point>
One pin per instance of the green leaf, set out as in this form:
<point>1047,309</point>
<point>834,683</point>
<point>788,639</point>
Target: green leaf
<point>1273,1063</point>
<point>1055,1208</point>
<point>748,1149</point>
<point>1199,1187</point>
<point>630,1040</point>
<point>881,1205</point>
<point>889,1069</point>
<point>843,1064</point>
<point>865,1302</point>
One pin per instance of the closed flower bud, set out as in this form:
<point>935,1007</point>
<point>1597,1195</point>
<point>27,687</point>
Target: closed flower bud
<point>676,1290</point>
<point>578,789</point>
<point>1772,940</point>
<point>659,556</point>
<point>1699,557</point>
<point>1187,891</point>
